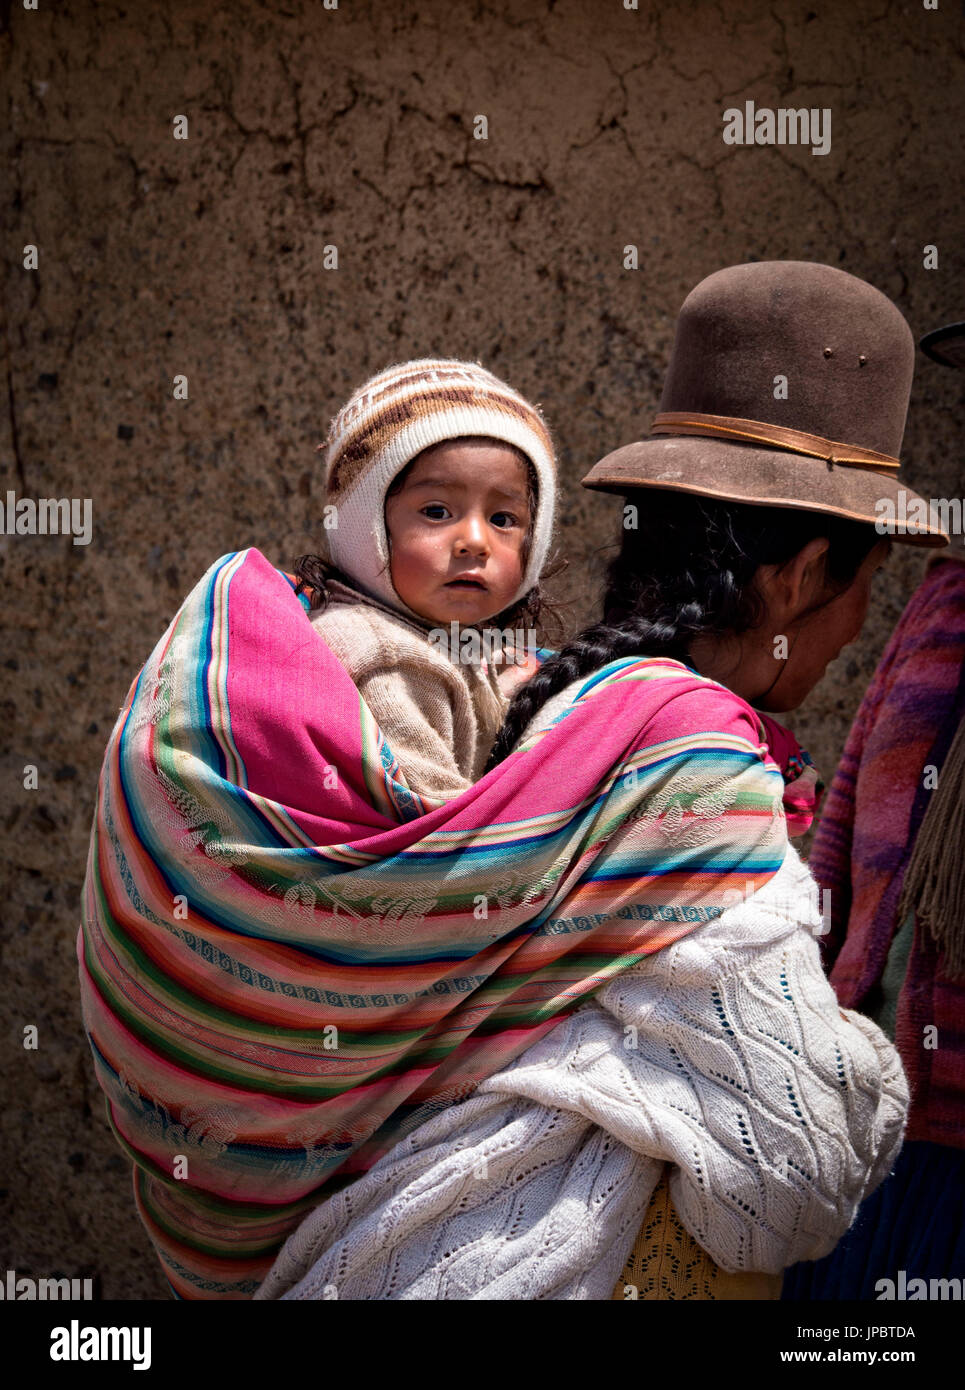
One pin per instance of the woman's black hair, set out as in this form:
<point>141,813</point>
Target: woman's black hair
<point>685,570</point>
<point>535,609</point>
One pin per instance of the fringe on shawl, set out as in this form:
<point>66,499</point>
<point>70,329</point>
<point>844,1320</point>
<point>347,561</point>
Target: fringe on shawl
<point>934,886</point>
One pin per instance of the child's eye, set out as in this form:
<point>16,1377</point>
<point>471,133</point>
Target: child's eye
<point>509,519</point>
<point>434,507</point>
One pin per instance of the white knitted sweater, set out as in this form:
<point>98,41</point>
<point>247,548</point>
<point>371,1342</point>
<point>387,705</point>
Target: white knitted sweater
<point>724,1054</point>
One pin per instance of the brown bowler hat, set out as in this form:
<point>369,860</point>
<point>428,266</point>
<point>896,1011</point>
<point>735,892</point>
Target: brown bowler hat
<point>847,355</point>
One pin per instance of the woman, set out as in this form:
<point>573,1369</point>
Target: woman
<point>747,557</point>
<point>889,852</point>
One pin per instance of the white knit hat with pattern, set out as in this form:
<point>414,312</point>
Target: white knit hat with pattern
<point>388,421</point>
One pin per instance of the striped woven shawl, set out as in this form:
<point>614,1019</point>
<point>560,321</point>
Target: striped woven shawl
<point>287,959</point>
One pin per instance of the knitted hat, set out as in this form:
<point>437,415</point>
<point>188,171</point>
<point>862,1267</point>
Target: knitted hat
<point>388,421</point>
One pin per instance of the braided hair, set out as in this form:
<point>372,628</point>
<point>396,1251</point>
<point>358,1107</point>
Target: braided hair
<point>685,571</point>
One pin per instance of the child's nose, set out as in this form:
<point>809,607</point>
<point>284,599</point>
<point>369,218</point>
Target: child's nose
<point>473,535</point>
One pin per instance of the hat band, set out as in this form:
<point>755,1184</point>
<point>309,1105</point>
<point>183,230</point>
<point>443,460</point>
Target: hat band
<point>760,432</point>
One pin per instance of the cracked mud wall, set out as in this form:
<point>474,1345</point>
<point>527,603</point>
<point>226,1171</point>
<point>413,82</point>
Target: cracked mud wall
<point>310,127</point>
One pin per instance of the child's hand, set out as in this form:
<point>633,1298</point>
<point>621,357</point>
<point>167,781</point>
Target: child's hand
<point>511,677</point>
<point>802,785</point>
<point>802,796</point>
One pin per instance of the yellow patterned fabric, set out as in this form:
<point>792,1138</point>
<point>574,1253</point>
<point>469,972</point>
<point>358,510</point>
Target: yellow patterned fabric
<point>667,1263</point>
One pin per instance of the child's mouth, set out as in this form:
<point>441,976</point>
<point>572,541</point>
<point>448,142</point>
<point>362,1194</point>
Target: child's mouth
<point>466,584</point>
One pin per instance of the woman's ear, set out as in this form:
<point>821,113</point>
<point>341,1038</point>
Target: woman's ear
<point>795,585</point>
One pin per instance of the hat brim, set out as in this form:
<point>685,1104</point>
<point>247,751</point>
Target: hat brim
<point>946,345</point>
<point>765,478</point>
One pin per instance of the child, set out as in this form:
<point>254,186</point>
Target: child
<point>442,481</point>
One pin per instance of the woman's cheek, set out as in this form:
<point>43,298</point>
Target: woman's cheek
<point>859,615</point>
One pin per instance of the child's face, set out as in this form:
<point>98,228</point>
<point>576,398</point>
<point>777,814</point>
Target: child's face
<point>456,530</point>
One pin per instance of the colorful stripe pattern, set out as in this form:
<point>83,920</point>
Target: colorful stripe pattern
<point>283,969</point>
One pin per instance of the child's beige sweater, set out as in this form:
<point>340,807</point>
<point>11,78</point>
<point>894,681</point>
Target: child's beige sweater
<point>439,716</point>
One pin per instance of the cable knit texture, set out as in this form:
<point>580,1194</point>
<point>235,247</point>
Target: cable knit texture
<point>724,1054</point>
